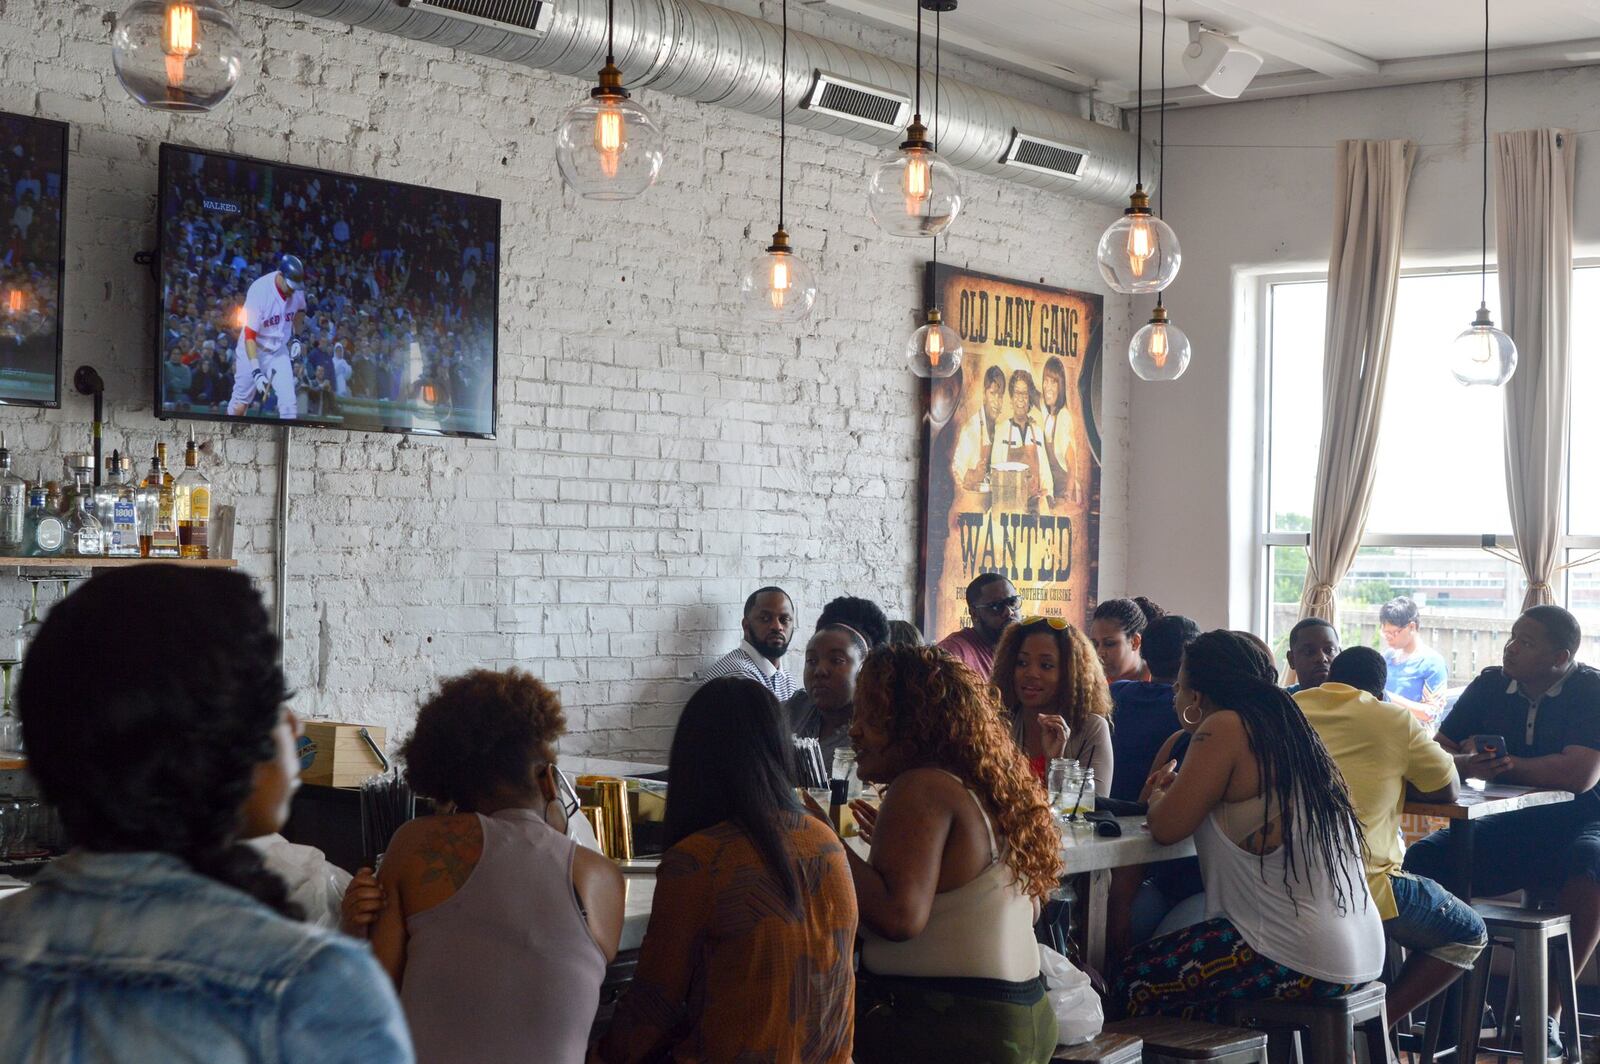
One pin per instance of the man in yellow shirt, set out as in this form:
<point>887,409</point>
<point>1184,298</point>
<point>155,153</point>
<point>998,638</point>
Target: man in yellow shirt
<point>1384,753</point>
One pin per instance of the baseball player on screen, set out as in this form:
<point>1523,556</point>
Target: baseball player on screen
<point>272,311</point>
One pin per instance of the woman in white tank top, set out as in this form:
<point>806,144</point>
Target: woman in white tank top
<point>1288,914</point>
<point>962,848</point>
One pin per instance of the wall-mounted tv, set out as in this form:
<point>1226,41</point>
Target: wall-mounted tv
<point>292,296</point>
<point>33,191</point>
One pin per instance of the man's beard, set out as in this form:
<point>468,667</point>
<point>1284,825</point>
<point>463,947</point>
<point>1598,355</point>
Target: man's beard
<point>772,655</point>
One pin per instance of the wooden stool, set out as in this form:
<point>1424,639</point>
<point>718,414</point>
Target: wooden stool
<point>1532,935</point>
<point>1109,1048</point>
<point>1329,1025</point>
<point>1168,1039</point>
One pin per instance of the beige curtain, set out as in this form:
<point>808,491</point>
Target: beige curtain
<point>1533,246</point>
<point>1363,272</point>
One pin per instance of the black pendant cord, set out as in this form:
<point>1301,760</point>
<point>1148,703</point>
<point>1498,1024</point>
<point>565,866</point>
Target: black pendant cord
<point>611,33</point>
<point>918,89</point>
<point>1138,164</point>
<point>1161,152</point>
<point>1483,214</point>
<point>938,42</point>
<point>783,86</point>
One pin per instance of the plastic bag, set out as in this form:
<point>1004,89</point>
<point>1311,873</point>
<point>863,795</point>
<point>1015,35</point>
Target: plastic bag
<point>316,885</point>
<point>1079,1015</point>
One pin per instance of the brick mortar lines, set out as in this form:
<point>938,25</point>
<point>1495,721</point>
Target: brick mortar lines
<point>657,456</point>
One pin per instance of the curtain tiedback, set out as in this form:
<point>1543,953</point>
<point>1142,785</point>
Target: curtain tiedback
<point>1363,275</point>
<point>1533,247</point>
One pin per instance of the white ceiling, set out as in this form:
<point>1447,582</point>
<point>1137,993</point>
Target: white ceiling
<point>1308,45</point>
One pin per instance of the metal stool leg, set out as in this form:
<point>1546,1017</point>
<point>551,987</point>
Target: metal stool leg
<point>1533,994</point>
<point>1567,994</point>
<point>1473,995</point>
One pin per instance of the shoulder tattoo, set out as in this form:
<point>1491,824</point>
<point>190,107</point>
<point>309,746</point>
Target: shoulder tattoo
<point>450,851</point>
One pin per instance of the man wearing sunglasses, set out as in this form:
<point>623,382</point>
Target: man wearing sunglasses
<point>994,603</point>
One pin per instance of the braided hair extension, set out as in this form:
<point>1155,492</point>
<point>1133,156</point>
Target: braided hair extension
<point>1132,615</point>
<point>1296,769</point>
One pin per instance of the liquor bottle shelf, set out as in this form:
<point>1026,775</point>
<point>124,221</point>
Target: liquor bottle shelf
<point>68,563</point>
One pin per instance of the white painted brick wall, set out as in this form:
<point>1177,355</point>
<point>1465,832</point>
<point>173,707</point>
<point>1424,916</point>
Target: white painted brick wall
<point>658,457</point>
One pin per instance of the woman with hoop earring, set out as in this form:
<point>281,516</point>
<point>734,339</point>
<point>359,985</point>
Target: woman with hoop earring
<point>1287,914</point>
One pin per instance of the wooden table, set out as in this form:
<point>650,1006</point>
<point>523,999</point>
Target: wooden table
<point>1084,851</point>
<point>1472,805</point>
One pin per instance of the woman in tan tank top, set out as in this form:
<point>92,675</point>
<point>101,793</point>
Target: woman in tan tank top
<point>963,848</point>
<point>496,927</point>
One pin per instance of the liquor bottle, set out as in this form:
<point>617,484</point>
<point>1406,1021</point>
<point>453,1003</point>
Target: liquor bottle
<point>193,489</point>
<point>117,508</point>
<point>158,535</point>
<point>85,535</point>
<point>77,469</point>
<point>52,495</point>
<point>13,505</point>
<point>44,531</point>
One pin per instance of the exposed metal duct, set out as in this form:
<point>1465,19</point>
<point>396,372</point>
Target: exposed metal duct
<point>712,55</point>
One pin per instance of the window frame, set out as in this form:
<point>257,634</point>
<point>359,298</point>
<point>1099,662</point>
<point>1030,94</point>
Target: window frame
<point>1267,538</point>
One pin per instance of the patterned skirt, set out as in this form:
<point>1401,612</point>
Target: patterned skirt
<point>1196,972</point>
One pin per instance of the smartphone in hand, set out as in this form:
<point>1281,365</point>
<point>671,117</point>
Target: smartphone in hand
<point>1491,745</point>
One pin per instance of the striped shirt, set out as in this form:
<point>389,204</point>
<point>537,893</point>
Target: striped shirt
<point>745,660</point>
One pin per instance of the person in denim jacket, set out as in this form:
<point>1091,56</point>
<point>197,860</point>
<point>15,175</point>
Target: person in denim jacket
<point>161,937</point>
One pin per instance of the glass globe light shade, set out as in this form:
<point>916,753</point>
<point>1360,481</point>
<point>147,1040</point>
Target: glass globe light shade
<point>177,55</point>
<point>934,350</point>
<point>944,396</point>
<point>777,286</point>
<point>1483,354</point>
<point>1139,253</point>
<point>914,193</point>
<point>607,146</point>
<point>1159,351</point>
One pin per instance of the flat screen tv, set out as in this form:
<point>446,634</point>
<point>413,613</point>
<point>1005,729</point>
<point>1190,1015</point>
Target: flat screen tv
<point>292,296</point>
<point>33,190</point>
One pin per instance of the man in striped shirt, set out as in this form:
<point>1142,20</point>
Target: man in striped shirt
<point>768,626</point>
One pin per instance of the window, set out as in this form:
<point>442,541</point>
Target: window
<point>1439,483</point>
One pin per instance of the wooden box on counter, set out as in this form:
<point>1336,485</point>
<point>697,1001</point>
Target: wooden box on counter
<point>343,757</point>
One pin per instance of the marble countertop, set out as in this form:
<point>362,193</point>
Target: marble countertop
<point>581,765</point>
<point>1084,851</point>
<point>1474,803</point>
<point>641,887</point>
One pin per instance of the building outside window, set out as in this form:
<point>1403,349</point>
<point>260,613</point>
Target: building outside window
<point>1439,487</point>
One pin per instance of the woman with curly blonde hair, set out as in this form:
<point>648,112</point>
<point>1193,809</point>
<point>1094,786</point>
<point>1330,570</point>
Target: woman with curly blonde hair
<point>1051,682</point>
<point>963,850</point>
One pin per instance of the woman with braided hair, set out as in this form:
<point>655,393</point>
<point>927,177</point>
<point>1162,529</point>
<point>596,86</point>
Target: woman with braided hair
<point>1288,913</point>
<point>161,936</point>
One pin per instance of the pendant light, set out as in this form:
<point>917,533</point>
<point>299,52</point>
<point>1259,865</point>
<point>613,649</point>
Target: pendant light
<point>1160,351</point>
<point>1483,354</point>
<point>1139,253</point>
<point>935,350</point>
<point>777,286</point>
<point>915,192</point>
<point>607,146</point>
<point>177,55</point>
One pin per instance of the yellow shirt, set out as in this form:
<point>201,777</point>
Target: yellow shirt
<point>1379,748</point>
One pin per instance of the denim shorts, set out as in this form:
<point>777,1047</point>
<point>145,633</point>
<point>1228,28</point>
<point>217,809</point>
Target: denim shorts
<point>1433,920</point>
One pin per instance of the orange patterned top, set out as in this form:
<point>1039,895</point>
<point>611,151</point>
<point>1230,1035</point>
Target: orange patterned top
<point>729,971</point>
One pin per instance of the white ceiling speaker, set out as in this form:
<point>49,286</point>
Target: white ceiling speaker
<point>1219,64</point>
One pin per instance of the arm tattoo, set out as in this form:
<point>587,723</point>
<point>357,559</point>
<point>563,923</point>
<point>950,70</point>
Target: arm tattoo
<point>450,852</point>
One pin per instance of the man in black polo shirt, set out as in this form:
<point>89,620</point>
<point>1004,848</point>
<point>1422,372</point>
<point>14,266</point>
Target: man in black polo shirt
<point>1547,708</point>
